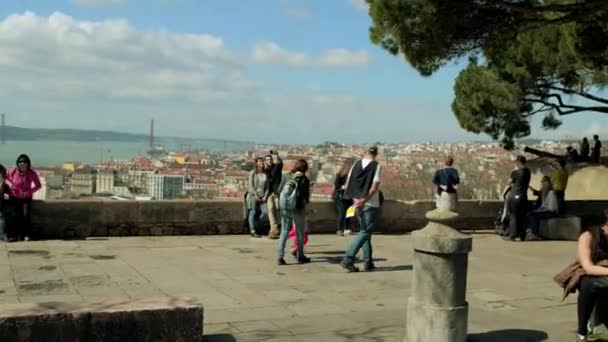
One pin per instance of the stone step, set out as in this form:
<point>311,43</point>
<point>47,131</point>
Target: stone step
<point>561,228</point>
<point>150,319</point>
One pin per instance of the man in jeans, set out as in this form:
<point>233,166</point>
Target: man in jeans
<point>274,167</point>
<point>363,187</point>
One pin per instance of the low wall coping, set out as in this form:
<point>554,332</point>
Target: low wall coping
<point>107,306</point>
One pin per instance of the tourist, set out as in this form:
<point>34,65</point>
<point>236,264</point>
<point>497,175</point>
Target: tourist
<point>257,193</point>
<point>592,249</point>
<point>572,155</point>
<point>559,180</point>
<point>298,188</point>
<point>517,200</point>
<point>23,182</point>
<point>597,148</point>
<point>363,187</point>
<point>343,223</point>
<point>4,190</point>
<point>584,150</point>
<point>446,180</point>
<point>274,170</point>
<point>546,207</point>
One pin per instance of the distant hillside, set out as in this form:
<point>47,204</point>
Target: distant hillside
<point>81,135</point>
<point>41,134</point>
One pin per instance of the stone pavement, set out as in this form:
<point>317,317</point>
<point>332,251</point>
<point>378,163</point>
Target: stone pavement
<point>248,298</point>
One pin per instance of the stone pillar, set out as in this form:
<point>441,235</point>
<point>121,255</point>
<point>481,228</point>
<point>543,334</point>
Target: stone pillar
<point>437,310</point>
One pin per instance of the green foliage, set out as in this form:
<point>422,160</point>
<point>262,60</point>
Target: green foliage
<point>526,57</point>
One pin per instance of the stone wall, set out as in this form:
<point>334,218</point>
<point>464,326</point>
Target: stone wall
<point>80,219</point>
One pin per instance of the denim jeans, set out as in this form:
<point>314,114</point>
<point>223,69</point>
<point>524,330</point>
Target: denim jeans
<point>367,217</point>
<point>254,218</point>
<point>299,217</point>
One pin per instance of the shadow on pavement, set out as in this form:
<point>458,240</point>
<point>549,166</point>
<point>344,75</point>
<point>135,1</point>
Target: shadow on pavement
<point>509,335</point>
<point>219,338</point>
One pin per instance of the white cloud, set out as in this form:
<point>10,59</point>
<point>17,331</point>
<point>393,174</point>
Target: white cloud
<point>97,3</point>
<point>272,53</point>
<point>61,56</point>
<point>359,4</point>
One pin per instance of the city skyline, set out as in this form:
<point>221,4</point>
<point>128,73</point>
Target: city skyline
<point>280,72</point>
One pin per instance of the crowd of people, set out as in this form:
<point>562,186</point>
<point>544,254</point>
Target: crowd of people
<point>585,152</point>
<point>285,201</point>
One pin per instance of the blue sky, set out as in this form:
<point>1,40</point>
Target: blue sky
<point>289,71</point>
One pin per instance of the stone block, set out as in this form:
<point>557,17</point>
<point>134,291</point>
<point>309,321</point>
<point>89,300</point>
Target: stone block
<point>212,211</point>
<point>117,212</point>
<point>155,212</point>
<point>435,323</point>
<point>59,219</point>
<point>152,319</point>
<point>561,228</point>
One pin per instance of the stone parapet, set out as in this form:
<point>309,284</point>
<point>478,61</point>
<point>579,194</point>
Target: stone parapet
<point>96,218</point>
<point>154,319</point>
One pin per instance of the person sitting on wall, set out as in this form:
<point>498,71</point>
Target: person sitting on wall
<point>559,179</point>
<point>546,207</point>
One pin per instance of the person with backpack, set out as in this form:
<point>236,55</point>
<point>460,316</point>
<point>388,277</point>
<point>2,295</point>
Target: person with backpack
<point>363,187</point>
<point>446,180</point>
<point>23,182</point>
<point>293,200</point>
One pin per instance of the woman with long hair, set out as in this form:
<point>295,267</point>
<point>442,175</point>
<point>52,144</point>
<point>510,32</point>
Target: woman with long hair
<point>342,204</point>
<point>301,185</point>
<point>592,248</point>
<point>257,194</point>
<point>23,182</point>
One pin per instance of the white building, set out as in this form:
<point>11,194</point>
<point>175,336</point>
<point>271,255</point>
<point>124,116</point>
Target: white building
<point>105,182</point>
<point>41,194</point>
<point>161,187</point>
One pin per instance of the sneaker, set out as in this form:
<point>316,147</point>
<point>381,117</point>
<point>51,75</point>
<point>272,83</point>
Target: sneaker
<point>350,268</point>
<point>281,262</point>
<point>26,238</point>
<point>255,235</point>
<point>581,338</point>
<point>347,232</point>
<point>303,260</point>
<point>368,267</point>
<point>340,233</point>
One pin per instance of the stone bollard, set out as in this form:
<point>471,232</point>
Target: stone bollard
<point>437,310</point>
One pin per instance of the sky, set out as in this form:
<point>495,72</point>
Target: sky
<point>276,71</point>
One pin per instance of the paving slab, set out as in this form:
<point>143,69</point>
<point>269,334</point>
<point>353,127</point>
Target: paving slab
<point>247,297</point>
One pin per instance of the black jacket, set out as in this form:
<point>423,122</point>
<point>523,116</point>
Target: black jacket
<point>275,175</point>
<point>303,191</point>
<point>361,180</point>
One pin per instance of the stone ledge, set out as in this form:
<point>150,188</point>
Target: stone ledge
<point>561,228</point>
<point>152,319</point>
<point>96,218</point>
